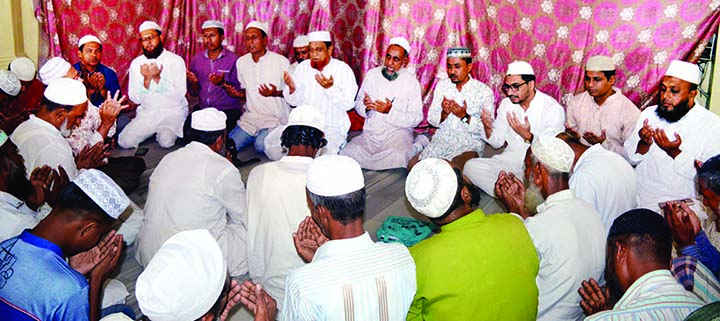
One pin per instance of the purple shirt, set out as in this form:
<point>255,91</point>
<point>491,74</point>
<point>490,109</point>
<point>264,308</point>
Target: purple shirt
<point>210,95</point>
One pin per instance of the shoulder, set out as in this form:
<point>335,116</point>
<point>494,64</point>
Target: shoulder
<point>548,101</point>
<point>578,99</point>
<point>278,57</point>
<point>478,84</point>
<point>173,58</point>
<point>340,65</point>
<point>105,69</point>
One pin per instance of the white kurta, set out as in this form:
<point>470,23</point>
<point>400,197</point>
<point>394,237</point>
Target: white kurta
<point>15,216</point>
<point>276,204</point>
<point>196,188</point>
<point>333,102</point>
<point>387,139</point>
<point>262,112</point>
<point>546,117</point>
<point>570,241</point>
<point>453,136</point>
<point>40,143</point>
<point>352,279</point>
<point>163,106</point>
<point>605,180</point>
<point>664,178</point>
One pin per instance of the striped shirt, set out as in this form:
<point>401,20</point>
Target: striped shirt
<point>352,279</point>
<point>654,296</point>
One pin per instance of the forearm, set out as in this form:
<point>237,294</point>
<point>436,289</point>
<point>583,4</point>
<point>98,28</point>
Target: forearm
<point>193,88</point>
<point>96,289</point>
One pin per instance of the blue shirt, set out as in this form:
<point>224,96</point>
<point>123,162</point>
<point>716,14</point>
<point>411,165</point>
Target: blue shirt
<point>37,284</point>
<point>111,83</point>
<point>705,252</point>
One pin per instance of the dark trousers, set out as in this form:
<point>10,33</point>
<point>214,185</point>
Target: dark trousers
<point>125,171</point>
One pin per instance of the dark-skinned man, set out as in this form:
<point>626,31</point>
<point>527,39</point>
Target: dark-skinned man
<point>32,88</point>
<point>10,87</point>
<point>98,78</point>
<point>301,51</point>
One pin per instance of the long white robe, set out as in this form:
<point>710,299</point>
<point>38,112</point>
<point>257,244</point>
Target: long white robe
<point>40,143</point>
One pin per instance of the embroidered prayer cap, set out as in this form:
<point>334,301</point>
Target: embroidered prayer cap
<point>3,138</point>
<point>640,221</point>
<point>88,38</point>
<point>684,70</point>
<point>116,317</point>
<point>459,52</point>
<point>184,278</point>
<point>553,152</point>
<point>600,63</point>
<point>519,67</point>
<point>9,82</point>
<point>305,115</point>
<point>149,25</point>
<point>258,25</point>
<point>322,36</point>
<point>208,120</point>
<point>103,191</point>
<point>431,186</point>
<point>301,41</point>
<point>334,175</point>
<point>23,68</point>
<point>66,91</point>
<point>402,42</point>
<point>213,24</point>
<point>55,68</point>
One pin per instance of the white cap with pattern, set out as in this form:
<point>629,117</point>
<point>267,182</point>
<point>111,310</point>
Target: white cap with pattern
<point>520,68</point>
<point>553,152</point>
<point>103,191</point>
<point>402,42</point>
<point>9,83</point>
<point>23,68</point>
<point>55,68</point>
<point>334,175</point>
<point>213,24</point>
<point>88,38</point>
<point>258,25</point>
<point>600,63</point>
<point>431,186</point>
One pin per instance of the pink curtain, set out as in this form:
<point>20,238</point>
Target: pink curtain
<point>556,37</point>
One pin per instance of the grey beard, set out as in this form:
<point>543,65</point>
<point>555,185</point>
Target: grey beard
<point>389,76</point>
<point>64,130</point>
<point>533,197</point>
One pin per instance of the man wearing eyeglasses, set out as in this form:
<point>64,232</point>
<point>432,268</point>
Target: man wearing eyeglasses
<point>525,113</point>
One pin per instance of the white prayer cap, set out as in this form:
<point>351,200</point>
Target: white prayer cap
<point>334,175</point>
<point>208,120</point>
<point>684,70</point>
<point>103,191</point>
<point>402,42</point>
<point>459,52</point>
<point>55,68</point>
<point>600,63</point>
<point>66,91</point>
<point>258,25</point>
<point>23,68</point>
<point>553,152</point>
<point>301,41</point>
<point>520,68</point>
<point>149,25</point>
<point>116,317</point>
<point>9,82</point>
<point>431,186</point>
<point>213,24</point>
<point>184,278</point>
<point>322,36</point>
<point>3,138</point>
<point>88,38</point>
<point>305,115</point>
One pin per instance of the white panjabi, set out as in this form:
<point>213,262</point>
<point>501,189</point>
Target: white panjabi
<point>431,187</point>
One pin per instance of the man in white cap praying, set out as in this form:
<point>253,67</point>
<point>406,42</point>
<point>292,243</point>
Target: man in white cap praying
<point>670,137</point>
<point>567,231</point>
<point>327,84</point>
<point>197,187</point>
<point>391,102</point>
<point>478,265</point>
<point>32,88</point>
<point>456,108</point>
<point>301,51</point>
<point>212,76</point>
<point>158,85</point>
<point>260,73</point>
<point>37,282</point>
<point>602,114</point>
<point>276,202</point>
<point>99,79</point>
<point>526,112</point>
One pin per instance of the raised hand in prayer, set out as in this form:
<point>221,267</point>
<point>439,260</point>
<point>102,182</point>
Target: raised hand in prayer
<point>269,90</point>
<point>232,92</point>
<point>60,179</point>
<point>672,148</point>
<point>522,128</point>
<point>86,261</point>
<point>289,81</point>
<point>684,223</point>
<point>571,131</point>
<point>92,156</point>
<point>107,264</point>
<point>323,81</point>
<point>97,81</point>
<point>593,298</point>
<point>258,301</point>
<point>487,120</point>
<point>593,139</point>
<point>510,190</point>
<point>41,179</point>
<point>109,111</point>
<point>308,239</point>
<point>217,79</point>
<point>380,106</point>
<point>9,123</point>
<point>646,134</point>
<point>233,298</point>
<point>191,77</point>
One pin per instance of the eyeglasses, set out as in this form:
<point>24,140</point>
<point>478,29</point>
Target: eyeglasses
<point>148,38</point>
<point>514,87</point>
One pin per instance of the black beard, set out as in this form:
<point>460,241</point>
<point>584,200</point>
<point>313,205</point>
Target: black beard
<point>20,185</point>
<point>155,52</point>
<point>388,75</point>
<point>612,282</point>
<point>676,114</point>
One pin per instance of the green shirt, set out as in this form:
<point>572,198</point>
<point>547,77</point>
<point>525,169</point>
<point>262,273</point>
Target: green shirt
<point>477,268</point>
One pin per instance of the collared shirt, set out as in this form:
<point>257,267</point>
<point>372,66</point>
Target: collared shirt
<point>697,278</point>
<point>664,178</point>
<point>570,242</point>
<point>654,296</point>
<point>210,95</point>
<point>196,188</point>
<point>15,216</point>
<point>37,284</point>
<point>352,279</point>
<point>112,84</point>
<point>704,251</point>
<point>292,67</point>
<point>262,112</point>
<point>474,269</point>
<point>40,143</point>
<point>611,194</point>
<point>86,134</point>
<point>169,92</point>
<point>453,136</point>
<point>617,116</point>
<point>276,204</point>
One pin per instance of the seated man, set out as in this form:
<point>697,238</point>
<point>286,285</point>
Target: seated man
<point>567,231</point>
<point>457,104</point>
<point>157,84</point>
<point>37,282</point>
<point>10,87</point>
<point>31,91</point>
<point>197,187</point>
<point>301,51</point>
<point>525,113</point>
<point>98,78</point>
<point>494,252</point>
<point>637,274</point>
<point>391,102</point>
<point>602,114</point>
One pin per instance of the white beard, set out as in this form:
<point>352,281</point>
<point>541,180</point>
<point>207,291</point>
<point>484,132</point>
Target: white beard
<point>533,196</point>
<point>64,130</point>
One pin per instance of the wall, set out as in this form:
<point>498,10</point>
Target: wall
<point>19,31</point>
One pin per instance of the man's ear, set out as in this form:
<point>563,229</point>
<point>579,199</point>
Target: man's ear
<point>466,195</point>
<point>611,81</point>
<point>330,50</point>
<point>698,163</point>
<point>537,174</point>
<point>59,115</point>
<point>87,226</point>
<point>622,252</point>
